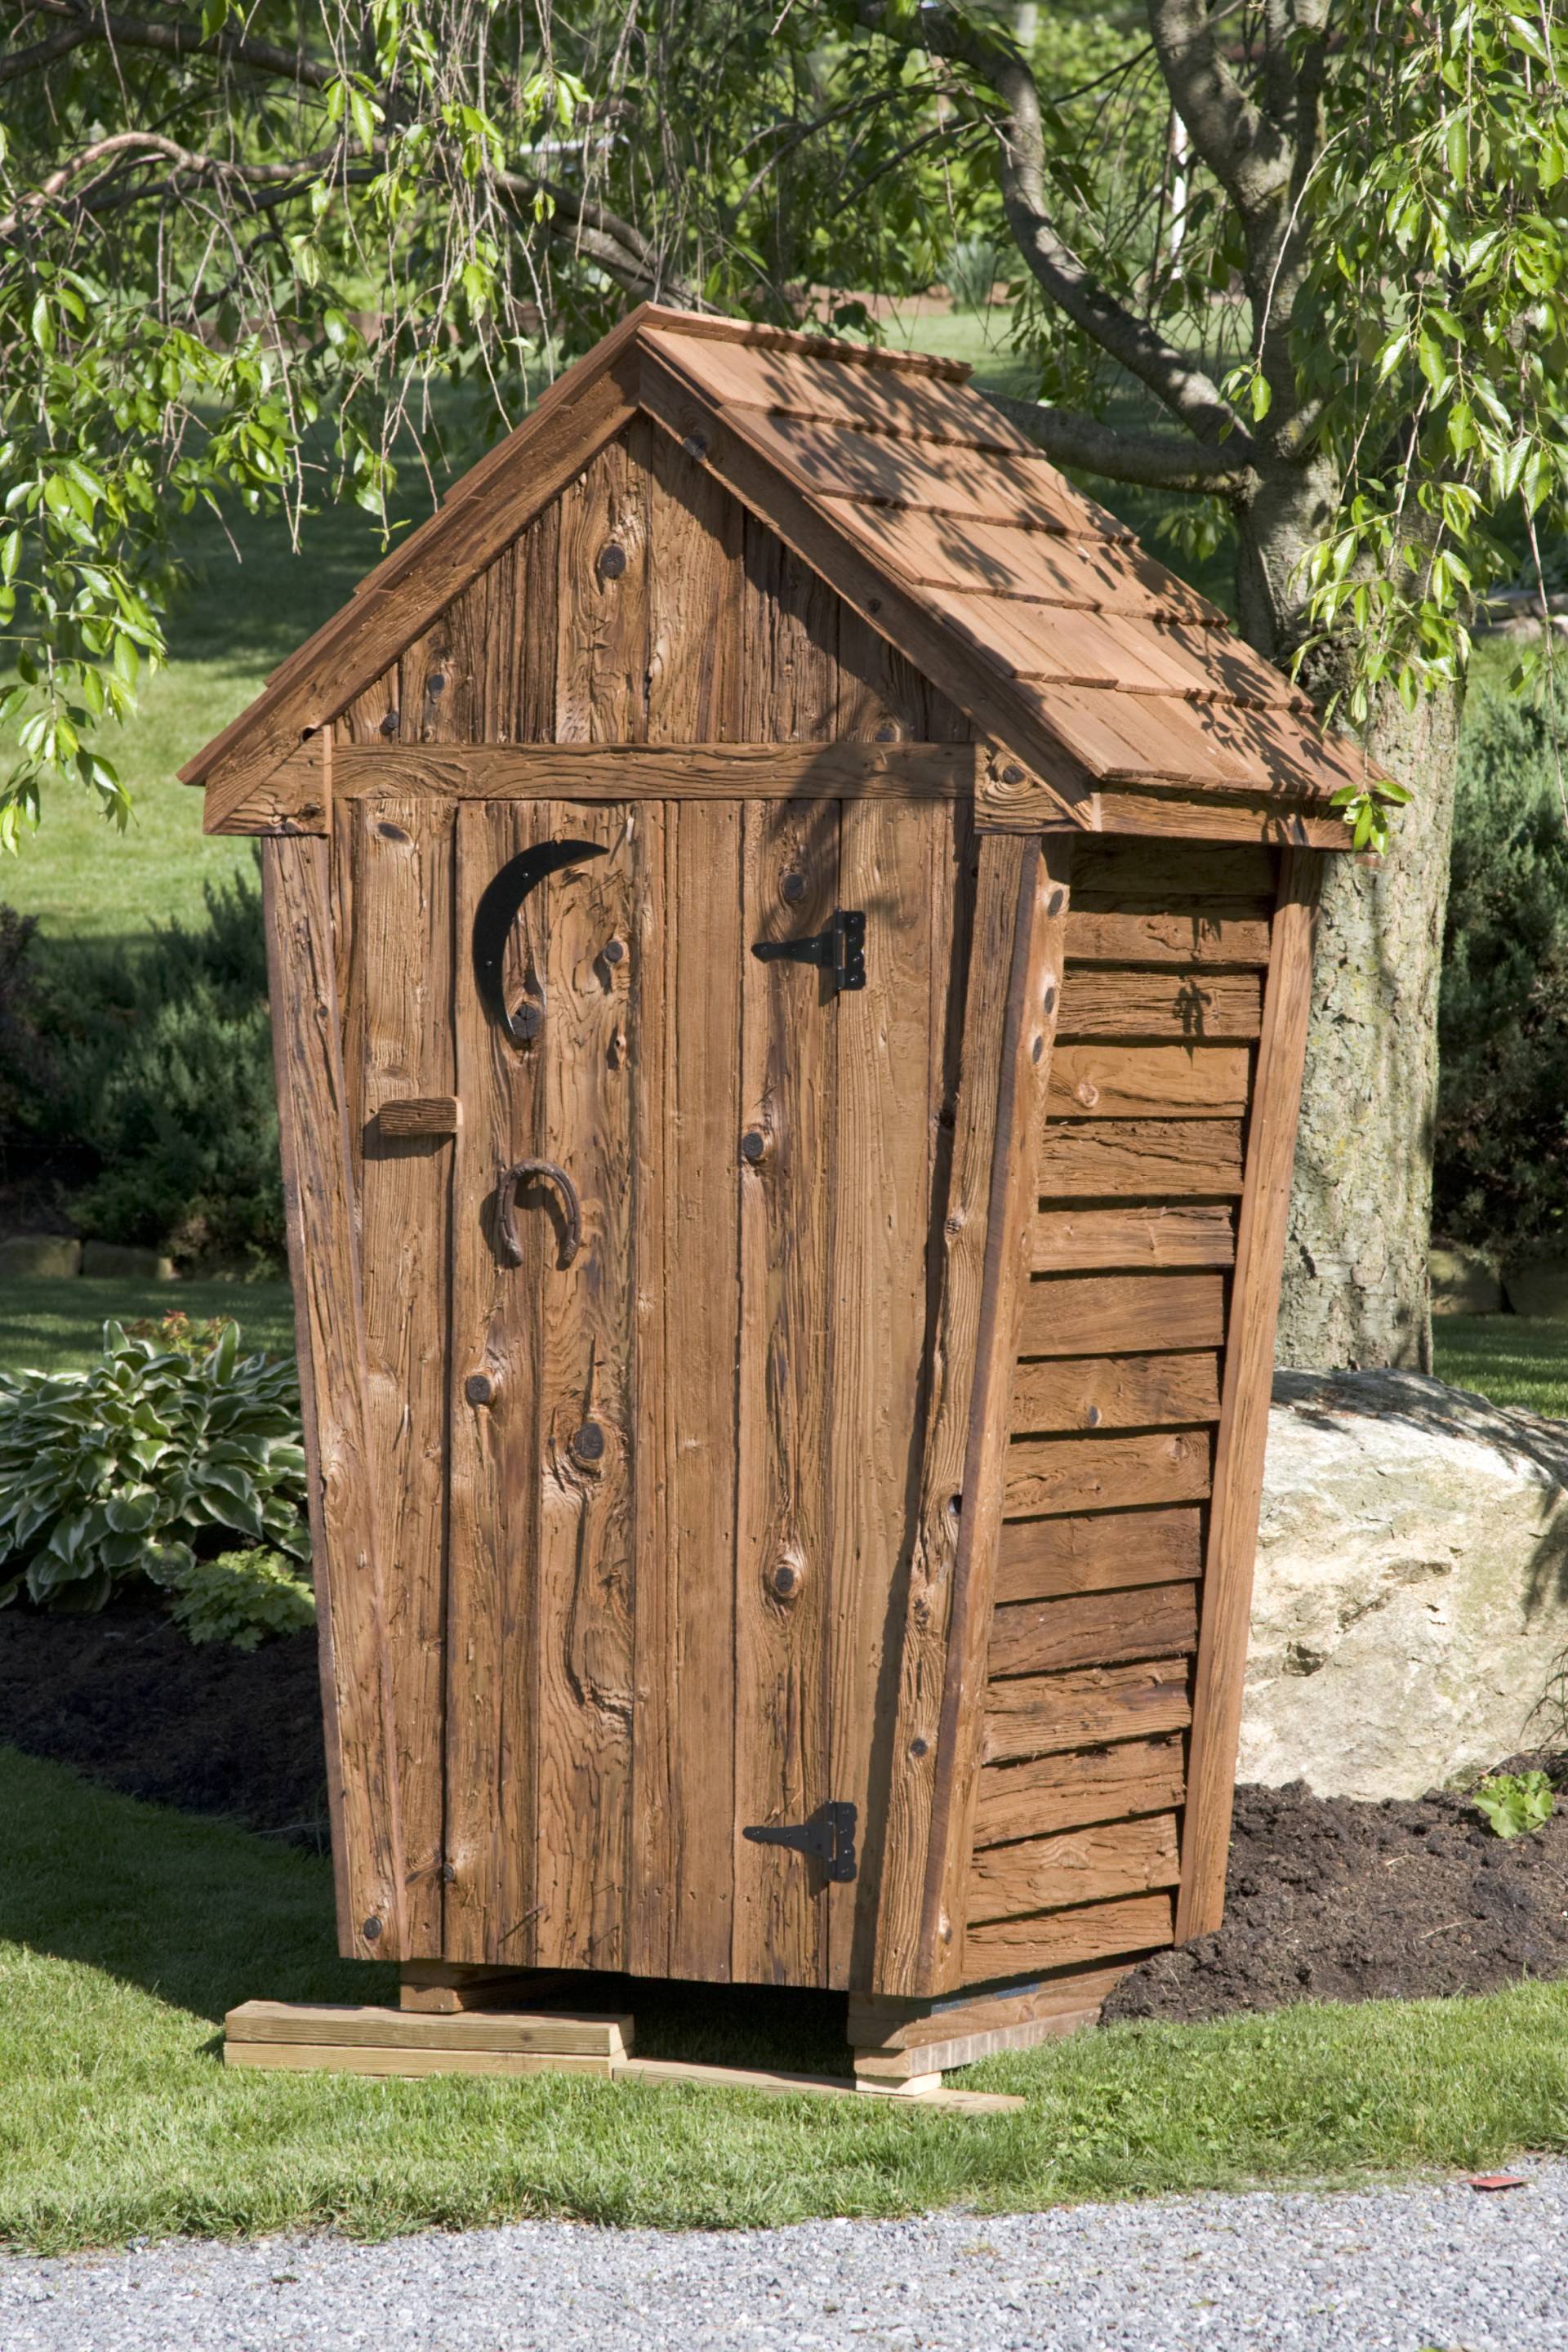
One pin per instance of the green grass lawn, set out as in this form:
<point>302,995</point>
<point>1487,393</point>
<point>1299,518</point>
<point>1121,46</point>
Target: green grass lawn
<point>126,1931</point>
<point>57,1326</point>
<point>1511,1359</point>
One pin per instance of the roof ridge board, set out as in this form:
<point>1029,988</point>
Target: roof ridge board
<point>713,327</point>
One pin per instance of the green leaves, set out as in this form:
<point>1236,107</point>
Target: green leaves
<point>136,1467</point>
<point>1516,1803</point>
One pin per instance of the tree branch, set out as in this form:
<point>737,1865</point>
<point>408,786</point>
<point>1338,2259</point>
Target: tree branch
<point>181,39</point>
<point>1152,459</point>
<point>43,52</point>
<point>1178,381</point>
<point>1236,139</point>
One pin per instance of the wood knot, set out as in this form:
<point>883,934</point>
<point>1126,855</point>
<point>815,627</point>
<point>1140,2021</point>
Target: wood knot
<point>1086,1093</point>
<point>612,561</point>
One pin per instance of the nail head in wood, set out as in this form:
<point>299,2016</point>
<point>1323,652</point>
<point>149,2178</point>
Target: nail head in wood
<point>479,1389</point>
<point>612,563</point>
<point>753,1147</point>
<point>589,1445</point>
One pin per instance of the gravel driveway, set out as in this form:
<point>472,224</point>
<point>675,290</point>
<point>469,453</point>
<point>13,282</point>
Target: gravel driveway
<point>1427,2269</point>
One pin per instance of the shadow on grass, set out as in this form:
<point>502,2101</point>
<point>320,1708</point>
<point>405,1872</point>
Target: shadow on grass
<point>204,1916</point>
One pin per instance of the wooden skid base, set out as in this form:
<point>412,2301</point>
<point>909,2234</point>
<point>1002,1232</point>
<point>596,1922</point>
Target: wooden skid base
<point>894,2041</point>
<point>291,2037</point>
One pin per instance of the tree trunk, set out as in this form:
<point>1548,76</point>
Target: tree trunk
<point>1355,1287</point>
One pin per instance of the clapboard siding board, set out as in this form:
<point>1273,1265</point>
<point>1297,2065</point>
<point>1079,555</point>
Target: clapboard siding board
<point>1096,1628</point>
<point>1073,1938</point>
<point>1087,1392</point>
<point>1079,1473</point>
<point>1126,1240</point>
<point>1070,1314</point>
<point>1205,932</point>
<point>1070,1792</point>
<point>1134,1081</point>
<point>1098,1552</point>
<point>1140,1159</point>
<point>1048,1715</point>
<point>1197,1005</point>
<point>1082,1866</point>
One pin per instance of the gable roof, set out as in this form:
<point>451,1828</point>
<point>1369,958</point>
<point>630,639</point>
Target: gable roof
<point>933,515</point>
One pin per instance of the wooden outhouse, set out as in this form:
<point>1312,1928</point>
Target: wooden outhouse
<point>790,945</point>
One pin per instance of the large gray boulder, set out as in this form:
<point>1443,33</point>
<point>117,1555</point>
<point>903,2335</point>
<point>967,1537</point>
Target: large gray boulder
<point>1411,1601</point>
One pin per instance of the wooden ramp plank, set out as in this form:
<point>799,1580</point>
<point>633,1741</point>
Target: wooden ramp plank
<point>568,2031</point>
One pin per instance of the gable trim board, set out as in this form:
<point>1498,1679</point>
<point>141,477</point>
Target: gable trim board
<point>1116,694</point>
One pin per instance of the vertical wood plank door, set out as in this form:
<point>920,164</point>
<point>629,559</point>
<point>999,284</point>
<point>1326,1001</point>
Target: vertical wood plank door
<point>647,1503</point>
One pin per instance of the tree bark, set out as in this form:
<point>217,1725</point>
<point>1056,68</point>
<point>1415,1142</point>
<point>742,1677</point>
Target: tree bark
<point>1355,1287</point>
<point>1355,1283</point>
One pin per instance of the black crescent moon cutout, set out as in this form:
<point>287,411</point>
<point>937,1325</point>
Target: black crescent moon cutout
<point>497,911</point>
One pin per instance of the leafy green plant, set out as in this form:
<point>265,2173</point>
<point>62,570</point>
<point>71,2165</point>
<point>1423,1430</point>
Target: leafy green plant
<point>239,1598</point>
<point>135,1466</point>
<point>162,1054</point>
<point>1516,1803</point>
<point>1501,1166</point>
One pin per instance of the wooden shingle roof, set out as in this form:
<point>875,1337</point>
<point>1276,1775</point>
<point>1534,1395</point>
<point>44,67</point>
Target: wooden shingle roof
<point>1108,680</point>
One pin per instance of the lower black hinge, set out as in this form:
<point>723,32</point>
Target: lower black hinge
<point>839,950</point>
<point>828,1837</point>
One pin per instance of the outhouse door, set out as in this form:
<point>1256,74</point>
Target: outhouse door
<point>644,1342</point>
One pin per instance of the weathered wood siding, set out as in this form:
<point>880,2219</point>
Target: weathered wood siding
<point>605,1665</point>
<point>1116,1406</point>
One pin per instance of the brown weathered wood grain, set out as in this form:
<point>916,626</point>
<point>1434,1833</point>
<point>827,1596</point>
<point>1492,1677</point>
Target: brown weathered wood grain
<point>492,1584</point>
<point>1087,1474</point>
<point>602,597</point>
<point>1243,1419</point>
<point>1029,1038</point>
<point>783,1617</point>
<point>992,931</point>
<point>694,769</point>
<point>1092,1629</point>
<point>1086,1392</point>
<point>324,1265</point>
<point>1136,1081</point>
<point>879,2023</point>
<point>1083,1241</point>
<point>1197,1005</point>
<point>583,1699</point>
<point>1205,932</point>
<point>1133,1923</point>
<point>1064,1792</point>
<point>1157,1159</point>
<point>1100,1551</point>
<point>398,1031</point>
<point>1069,1315</point>
<point>895,863</point>
<point>1046,1715</point>
<point>688,1700</point>
<point>1083,1866</point>
<point>1117,873</point>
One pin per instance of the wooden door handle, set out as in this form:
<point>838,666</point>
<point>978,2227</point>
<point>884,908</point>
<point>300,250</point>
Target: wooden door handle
<point>506,1207</point>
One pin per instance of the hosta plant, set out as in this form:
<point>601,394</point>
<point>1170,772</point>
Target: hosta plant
<point>240,1598</point>
<point>150,1459</point>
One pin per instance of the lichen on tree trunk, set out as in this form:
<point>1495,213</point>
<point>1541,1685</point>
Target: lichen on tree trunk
<point>1355,1290</point>
<point>1355,1281</point>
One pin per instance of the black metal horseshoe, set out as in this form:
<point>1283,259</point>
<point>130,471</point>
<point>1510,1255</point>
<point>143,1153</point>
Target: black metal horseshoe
<point>505,1203</point>
<point>494,917</point>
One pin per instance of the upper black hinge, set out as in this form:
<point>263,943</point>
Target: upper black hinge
<point>828,1837</point>
<point>840,949</point>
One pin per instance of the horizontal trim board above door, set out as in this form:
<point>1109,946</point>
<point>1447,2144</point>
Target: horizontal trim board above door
<point>673,772</point>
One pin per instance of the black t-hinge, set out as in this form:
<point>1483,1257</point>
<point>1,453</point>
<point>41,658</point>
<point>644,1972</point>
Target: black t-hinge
<point>840,949</point>
<point>828,1837</point>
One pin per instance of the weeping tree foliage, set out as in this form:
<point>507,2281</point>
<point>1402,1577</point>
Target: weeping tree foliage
<point>1295,266</point>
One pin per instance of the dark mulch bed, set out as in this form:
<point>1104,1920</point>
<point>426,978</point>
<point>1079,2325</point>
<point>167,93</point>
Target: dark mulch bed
<point>126,1698</point>
<point>1329,1899</point>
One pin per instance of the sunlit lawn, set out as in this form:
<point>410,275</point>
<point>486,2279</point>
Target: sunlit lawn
<point>126,1931</point>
